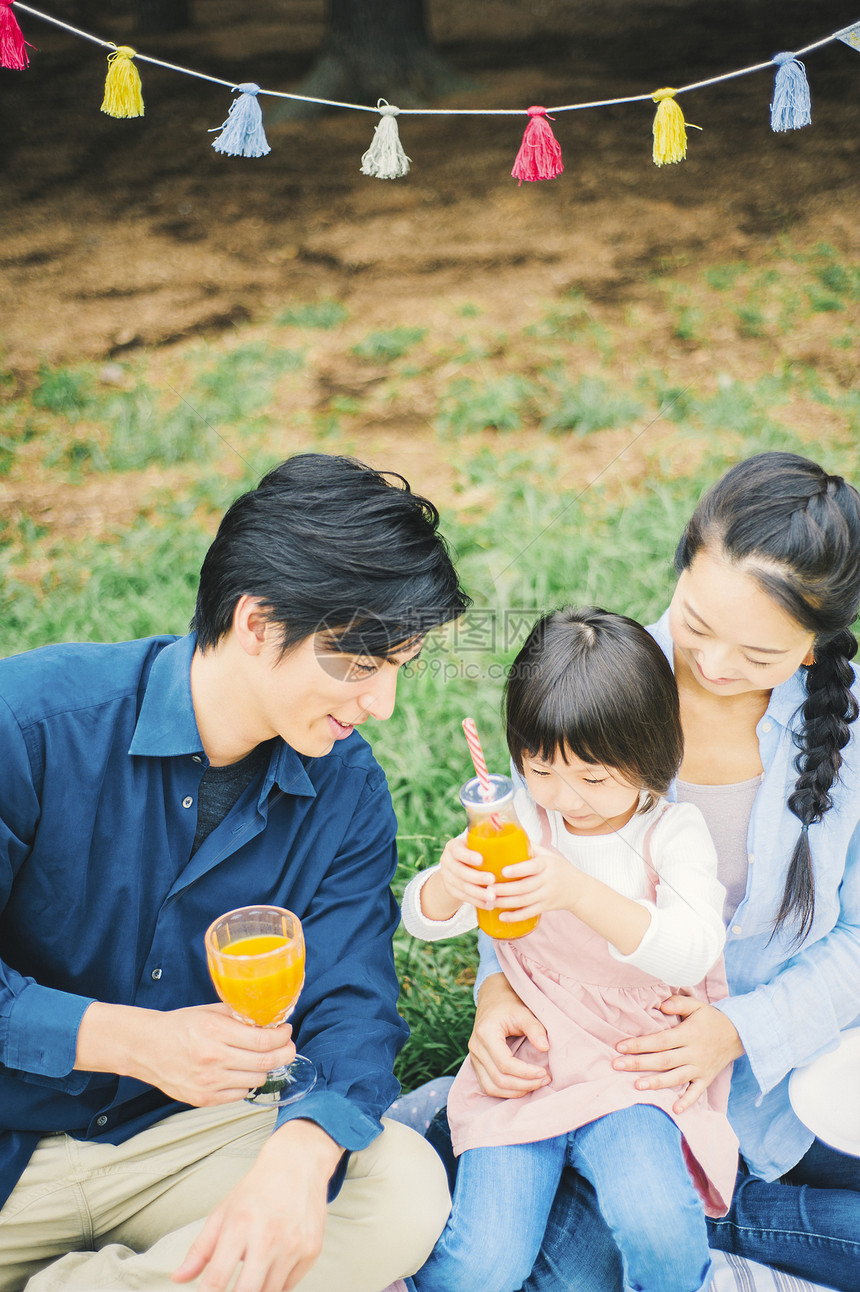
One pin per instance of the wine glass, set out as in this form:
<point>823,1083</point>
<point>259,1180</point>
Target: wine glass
<point>256,957</point>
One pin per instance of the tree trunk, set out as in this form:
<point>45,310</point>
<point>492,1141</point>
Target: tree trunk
<point>376,49</point>
<point>155,17</point>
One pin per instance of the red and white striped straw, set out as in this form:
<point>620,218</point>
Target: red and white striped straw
<point>478,758</point>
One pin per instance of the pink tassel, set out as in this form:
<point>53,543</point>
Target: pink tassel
<point>13,46</point>
<point>540,152</point>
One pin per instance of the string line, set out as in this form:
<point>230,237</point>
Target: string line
<point>419,112</point>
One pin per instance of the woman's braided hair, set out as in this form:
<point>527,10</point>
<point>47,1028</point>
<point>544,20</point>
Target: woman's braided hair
<point>796,531</point>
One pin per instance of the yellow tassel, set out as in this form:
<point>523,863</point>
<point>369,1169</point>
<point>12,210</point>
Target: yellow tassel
<point>670,134</point>
<point>123,96</point>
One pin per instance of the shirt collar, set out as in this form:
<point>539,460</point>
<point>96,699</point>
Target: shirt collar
<point>167,727</point>
<point>288,772</point>
<point>662,636</point>
<point>785,699</point>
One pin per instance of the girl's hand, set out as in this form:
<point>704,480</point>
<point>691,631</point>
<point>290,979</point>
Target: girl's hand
<point>544,882</point>
<point>695,1051</point>
<point>462,881</point>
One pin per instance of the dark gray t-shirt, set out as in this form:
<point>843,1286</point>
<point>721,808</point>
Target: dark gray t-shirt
<point>221,787</point>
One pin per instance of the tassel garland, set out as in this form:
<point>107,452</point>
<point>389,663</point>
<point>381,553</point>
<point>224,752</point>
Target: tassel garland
<point>242,134</point>
<point>791,108</point>
<point>13,46</point>
<point>539,156</point>
<point>385,158</point>
<point>670,129</point>
<point>123,97</point>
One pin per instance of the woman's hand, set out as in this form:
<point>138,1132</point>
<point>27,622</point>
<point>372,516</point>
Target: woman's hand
<point>500,1014</point>
<point>543,882</point>
<point>462,880</point>
<point>695,1051</point>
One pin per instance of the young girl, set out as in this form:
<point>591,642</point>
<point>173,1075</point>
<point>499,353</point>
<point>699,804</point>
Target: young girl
<point>631,912</point>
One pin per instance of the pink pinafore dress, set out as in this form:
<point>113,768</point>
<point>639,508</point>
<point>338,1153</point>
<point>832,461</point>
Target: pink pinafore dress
<point>587,1001</point>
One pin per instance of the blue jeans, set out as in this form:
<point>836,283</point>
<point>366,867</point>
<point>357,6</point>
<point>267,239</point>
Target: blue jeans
<point>504,1198</point>
<point>807,1224</point>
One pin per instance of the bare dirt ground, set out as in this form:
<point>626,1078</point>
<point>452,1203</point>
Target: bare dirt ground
<point>117,234</point>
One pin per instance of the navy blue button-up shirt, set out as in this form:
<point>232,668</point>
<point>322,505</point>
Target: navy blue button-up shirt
<point>100,898</point>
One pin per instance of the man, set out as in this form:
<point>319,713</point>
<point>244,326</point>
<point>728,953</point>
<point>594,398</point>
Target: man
<point>145,789</point>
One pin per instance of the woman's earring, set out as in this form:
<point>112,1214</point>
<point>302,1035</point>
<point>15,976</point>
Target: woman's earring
<point>809,659</point>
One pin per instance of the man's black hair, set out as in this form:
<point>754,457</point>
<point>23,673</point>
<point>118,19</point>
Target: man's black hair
<point>331,546</point>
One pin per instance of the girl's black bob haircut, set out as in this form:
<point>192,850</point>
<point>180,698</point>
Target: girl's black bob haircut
<point>595,685</point>
<point>331,546</point>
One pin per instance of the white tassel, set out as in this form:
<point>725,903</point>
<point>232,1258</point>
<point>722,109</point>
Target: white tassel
<point>385,158</point>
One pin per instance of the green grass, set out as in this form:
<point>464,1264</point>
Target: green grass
<point>63,391</point>
<point>590,404</point>
<point>541,507</point>
<point>723,277</point>
<point>496,403</point>
<point>142,586</point>
<point>322,314</point>
<point>689,326</point>
<point>751,321</point>
<point>382,347</point>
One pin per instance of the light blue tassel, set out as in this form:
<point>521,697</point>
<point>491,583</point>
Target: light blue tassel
<point>242,134</point>
<point>791,106</point>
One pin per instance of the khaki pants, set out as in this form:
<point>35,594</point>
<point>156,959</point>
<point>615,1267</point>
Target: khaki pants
<point>112,1217</point>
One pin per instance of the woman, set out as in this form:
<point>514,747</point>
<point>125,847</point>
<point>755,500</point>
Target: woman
<point>759,635</point>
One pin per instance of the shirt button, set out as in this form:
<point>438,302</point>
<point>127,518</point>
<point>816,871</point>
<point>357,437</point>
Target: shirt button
<point>766,726</point>
<point>736,928</point>
<point>155,975</point>
<point>187,801</point>
<point>101,1121</point>
<point>750,859</point>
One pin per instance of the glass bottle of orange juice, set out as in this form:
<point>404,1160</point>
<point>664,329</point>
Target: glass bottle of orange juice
<point>497,835</point>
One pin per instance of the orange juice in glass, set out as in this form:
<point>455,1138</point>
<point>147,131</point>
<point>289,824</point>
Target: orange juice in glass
<point>259,977</point>
<point>497,835</point>
<point>256,958</point>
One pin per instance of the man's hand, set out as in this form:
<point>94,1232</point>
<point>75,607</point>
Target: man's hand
<point>501,1014</point>
<point>695,1051</point>
<point>199,1055</point>
<point>273,1221</point>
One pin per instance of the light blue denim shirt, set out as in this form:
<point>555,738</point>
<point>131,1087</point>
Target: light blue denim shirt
<point>788,1003</point>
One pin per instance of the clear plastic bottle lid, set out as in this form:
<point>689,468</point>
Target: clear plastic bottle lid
<point>472,795</point>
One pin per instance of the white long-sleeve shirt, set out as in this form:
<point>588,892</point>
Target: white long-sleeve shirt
<point>686,934</point>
